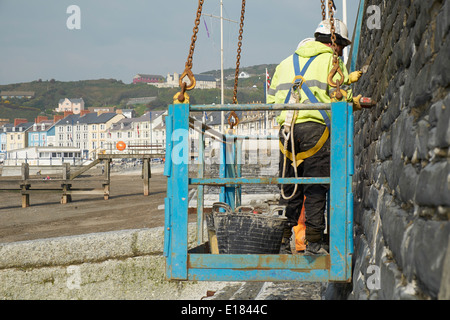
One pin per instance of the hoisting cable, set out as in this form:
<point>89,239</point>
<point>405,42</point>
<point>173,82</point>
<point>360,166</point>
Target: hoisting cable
<point>183,97</point>
<point>233,119</point>
<point>288,134</point>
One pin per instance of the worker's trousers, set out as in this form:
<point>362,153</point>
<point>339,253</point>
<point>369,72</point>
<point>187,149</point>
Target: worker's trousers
<point>306,135</point>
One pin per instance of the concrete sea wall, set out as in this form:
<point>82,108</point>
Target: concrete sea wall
<point>113,265</point>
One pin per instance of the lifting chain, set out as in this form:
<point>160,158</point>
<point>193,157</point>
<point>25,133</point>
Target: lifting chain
<point>233,114</point>
<point>324,15</point>
<point>182,97</point>
<point>338,94</point>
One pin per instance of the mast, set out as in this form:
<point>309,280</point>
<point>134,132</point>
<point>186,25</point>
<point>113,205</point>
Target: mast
<point>344,19</point>
<point>222,95</point>
<point>222,86</point>
<point>266,89</point>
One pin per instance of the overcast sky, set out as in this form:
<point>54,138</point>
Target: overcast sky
<point>118,39</point>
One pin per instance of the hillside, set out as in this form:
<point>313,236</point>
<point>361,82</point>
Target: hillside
<point>111,92</point>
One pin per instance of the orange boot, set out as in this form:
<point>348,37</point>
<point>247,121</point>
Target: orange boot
<point>299,231</point>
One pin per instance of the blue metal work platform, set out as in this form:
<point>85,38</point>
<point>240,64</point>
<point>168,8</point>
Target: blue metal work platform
<point>183,264</point>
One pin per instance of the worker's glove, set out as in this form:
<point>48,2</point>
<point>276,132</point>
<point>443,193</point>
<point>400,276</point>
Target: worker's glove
<point>354,76</point>
<point>356,103</point>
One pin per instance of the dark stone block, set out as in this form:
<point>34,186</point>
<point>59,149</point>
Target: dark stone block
<point>442,25</point>
<point>433,186</point>
<point>407,183</point>
<point>391,113</point>
<point>443,125</point>
<point>390,278</point>
<point>422,140</point>
<point>395,222</point>
<point>385,146</point>
<point>429,241</point>
<point>440,70</point>
<point>435,112</point>
<point>409,134</point>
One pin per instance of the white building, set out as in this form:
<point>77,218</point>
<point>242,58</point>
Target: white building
<point>89,132</point>
<point>202,81</point>
<point>258,129</point>
<point>71,105</point>
<point>141,135</point>
<point>44,156</point>
<point>243,75</point>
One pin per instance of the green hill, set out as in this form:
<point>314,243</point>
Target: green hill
<point>111,92</point>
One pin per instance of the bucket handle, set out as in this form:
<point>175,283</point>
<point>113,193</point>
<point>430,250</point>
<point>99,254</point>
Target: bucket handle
<point>222,205</point>
<point>275,210</point>
<point>250,209</point>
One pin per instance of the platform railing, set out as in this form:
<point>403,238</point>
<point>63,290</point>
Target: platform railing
<point>183,264</point>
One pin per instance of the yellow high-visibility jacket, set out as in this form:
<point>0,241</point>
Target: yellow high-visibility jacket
<point>316,79</point>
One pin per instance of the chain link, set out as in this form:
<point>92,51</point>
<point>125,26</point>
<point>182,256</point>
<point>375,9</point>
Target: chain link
<point>238,57</point>
<point>337,94</point>
<point>333,33</point>
<point>194,36</point>
<point>182,96</point>
<point>238,63</point>
<point>324,15</point>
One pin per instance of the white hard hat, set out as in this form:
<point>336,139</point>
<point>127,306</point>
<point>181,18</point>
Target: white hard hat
<point>324,28</point>
<point>305,41</point>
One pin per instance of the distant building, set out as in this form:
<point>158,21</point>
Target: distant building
<point>243,75</point>
<point>143,100</point>
<point>15,136</point>
<point>70,105</point>
<point>4,140</point>
<point>128,113</point>
<point>99,110</point>
<point>38,134</point>
<point>203,81</point>
<point>36,156</point>
<point>148,78</point>
<point>173,80</point>
<point>88,132</point>
<point>17,94</point>
<point>140,134</point>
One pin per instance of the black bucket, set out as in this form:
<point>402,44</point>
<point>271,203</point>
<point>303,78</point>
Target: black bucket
<point>245,232</point>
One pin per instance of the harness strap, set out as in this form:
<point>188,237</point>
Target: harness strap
<point>299,79</point>
<point>299,76</point>
<point>299,157</point>
<point>305,88</point>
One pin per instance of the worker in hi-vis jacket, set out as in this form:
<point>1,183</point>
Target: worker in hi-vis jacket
<point>310,64</point>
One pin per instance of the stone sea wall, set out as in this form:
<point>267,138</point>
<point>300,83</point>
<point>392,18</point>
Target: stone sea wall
<point>402,167</point>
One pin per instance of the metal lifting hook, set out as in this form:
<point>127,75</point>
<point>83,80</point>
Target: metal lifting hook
<point>338,94</point>
<point>182,96</point>
<point>336,69</point>
<point>233,119</point>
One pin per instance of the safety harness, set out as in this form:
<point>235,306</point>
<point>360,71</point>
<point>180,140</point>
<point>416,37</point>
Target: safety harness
<point>297,85</point>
